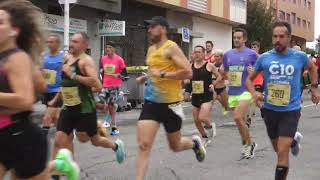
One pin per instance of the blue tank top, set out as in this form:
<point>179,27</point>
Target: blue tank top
<point>52,67</point>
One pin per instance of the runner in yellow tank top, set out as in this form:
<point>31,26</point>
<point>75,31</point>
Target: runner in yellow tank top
<point>167,68</point>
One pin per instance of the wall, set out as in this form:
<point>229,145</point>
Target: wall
<point>220,34</point>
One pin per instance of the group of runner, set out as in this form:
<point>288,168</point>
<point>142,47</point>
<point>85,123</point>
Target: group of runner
<point>69,81</point>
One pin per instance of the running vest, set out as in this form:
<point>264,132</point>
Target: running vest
<point>75,94</point>
<point>52,67</point>
<point>201,80</point>
<point>8,119</point>
<point>162,90</point>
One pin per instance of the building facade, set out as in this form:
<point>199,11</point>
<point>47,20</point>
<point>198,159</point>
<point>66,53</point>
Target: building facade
<point>300,14</point>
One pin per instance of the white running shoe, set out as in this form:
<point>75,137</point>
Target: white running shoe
<point>297,147</point>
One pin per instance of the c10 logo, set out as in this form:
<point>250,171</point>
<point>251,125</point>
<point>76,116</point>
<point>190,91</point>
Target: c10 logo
<point>281,69</point>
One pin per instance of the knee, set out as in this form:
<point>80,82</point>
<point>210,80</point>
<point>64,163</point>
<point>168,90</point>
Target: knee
<point>82,138</point>
<point>238,119</point>
<point>283,155</point>
<point>145,146</point>
<point>61,140</point>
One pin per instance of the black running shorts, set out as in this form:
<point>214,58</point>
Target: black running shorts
<point>170,115</point>
<point>24,148</point>
<point>71,118</point>
<point>198,99</point>
<point>47,97</point>
<point>281,124</point>
<point>219,90</point>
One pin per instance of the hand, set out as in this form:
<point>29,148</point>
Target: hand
<point>52,103</point>
<point>154,72</point>
<point>257,96</point>
<point>250,69</point>
<point>315,96</point>
<point>67,70</point>
<point>305,73</point>
<point>211,86</point>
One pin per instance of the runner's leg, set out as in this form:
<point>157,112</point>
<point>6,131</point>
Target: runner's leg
<point>284,144</point>
<point>178,143</point>
<point>197,121</point>
<point>224,99</point>
<point>2,171</point>
<point>146,132</point>
<point>240,113</point>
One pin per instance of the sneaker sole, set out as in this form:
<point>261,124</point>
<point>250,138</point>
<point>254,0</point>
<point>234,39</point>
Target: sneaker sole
<point>201,146</point>
<point>72,162</point>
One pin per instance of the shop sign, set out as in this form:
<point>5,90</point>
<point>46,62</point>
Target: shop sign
<point>56,23</point>
<point>112,28</point>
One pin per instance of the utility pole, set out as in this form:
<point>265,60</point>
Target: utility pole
<point>66,22</point>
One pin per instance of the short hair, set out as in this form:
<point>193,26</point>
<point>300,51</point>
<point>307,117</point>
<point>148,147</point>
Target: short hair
<point>209,42</point>
<point>255,43</point>
<point>282,24</point>
<point>296,47</point>
<point>110,43</point>
<point>244,32</point>
<point>58,39</point>
<point>84,36</point>
<point>199,46</point>
<point>218,52</point>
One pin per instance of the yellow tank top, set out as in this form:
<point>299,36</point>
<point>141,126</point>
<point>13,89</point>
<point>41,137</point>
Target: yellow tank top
<point>162,90</point>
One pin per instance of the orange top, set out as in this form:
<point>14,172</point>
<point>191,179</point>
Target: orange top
<point>258,80</point>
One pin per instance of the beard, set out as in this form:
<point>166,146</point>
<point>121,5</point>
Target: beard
<point>155,39</point>
<point>280,48</point>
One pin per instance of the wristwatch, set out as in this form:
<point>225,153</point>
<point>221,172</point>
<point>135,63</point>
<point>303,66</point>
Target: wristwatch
<point>162,74</point>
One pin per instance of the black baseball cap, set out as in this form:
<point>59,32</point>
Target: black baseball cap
<point>157,20</point>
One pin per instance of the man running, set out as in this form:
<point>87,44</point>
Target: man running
<point>236,63</point>
<point>220,86</point>
<point>163,94</point>
<point>209,52</point>
<point>113,67</point>
<point>52,66</point>
<point>282,69</point>
<point>79,77</point>
<point>201,87</point>
<point>258,82</point>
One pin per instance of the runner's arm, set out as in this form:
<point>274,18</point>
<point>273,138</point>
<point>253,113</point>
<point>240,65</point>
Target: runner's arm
<point>19,71</point>
<point>39,81</point>
<point>176,55</point>
<point>216,74</point>
<point>313,73</point>
<point>249,82</point>
<point>91,79</point>
<point>55,100</point>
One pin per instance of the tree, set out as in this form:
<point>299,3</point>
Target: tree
<point>259,24</point>
<point>310,51</point>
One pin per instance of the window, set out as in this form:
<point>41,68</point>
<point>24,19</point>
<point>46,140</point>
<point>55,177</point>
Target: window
<point>288,18</point>
<point>282,15</point>
<point>304,23</point>
<point>294,18</point>
<point>309,5</point>
<point>305,4</point>
<point>309,25</point>
<point>299,21</point>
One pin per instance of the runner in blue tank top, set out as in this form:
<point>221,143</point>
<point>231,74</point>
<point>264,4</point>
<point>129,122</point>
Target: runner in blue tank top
<point>282,68</point>
<point>52,65</point>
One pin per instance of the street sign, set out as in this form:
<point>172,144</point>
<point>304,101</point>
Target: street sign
<point>185,32</point>
<point>112,28</point>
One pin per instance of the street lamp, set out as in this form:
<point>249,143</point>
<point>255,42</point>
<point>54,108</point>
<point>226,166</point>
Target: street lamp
<point>66,21</point>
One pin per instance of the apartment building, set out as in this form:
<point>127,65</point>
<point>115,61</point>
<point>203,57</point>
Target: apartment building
<point>300,14</point>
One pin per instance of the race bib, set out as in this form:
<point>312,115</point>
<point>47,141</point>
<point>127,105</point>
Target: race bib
<point>235,78</point>
<point>197,87</point>
<point>178,110</point>
<point>50,76</point>
<point>109,69</point>
<point>70,96</point>
<point>279,94</point>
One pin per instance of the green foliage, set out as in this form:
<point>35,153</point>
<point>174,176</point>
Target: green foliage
<point>259,24</point>
<point>310,51</point>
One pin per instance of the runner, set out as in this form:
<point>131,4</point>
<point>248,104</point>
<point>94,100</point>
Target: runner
<point>24,148</point>
<point>79,77</point>
<point>52,66</point>
<point>236,63</point>
<point>209,54</point>
<point>163,94</point>
<point>220,86</point>
<point>113,67</point>
<point>201,87</point>
<point>258,83</point>
<point>282,68</point>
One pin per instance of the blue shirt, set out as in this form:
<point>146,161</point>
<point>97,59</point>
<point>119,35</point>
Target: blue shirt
<point>236,62</point>
<point>282,75</point>
<point>52,65</point>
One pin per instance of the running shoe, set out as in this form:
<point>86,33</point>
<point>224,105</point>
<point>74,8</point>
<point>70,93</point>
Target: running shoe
<point>120,153</point>
<point>199,148</point>
<point>295,148</point>
<point>114,131</point>
<point>211,132</point>
<point>249,150</point>
<point>253,148</point>
<point>66,165</point>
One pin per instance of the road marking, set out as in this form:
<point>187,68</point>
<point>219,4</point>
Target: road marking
<point>310,105</point>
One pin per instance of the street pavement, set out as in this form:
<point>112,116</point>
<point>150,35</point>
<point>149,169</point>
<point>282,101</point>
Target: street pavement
<point>223,154</point>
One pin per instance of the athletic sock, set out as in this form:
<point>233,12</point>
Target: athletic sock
<point>281,172</point>
<point>45,130</point>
